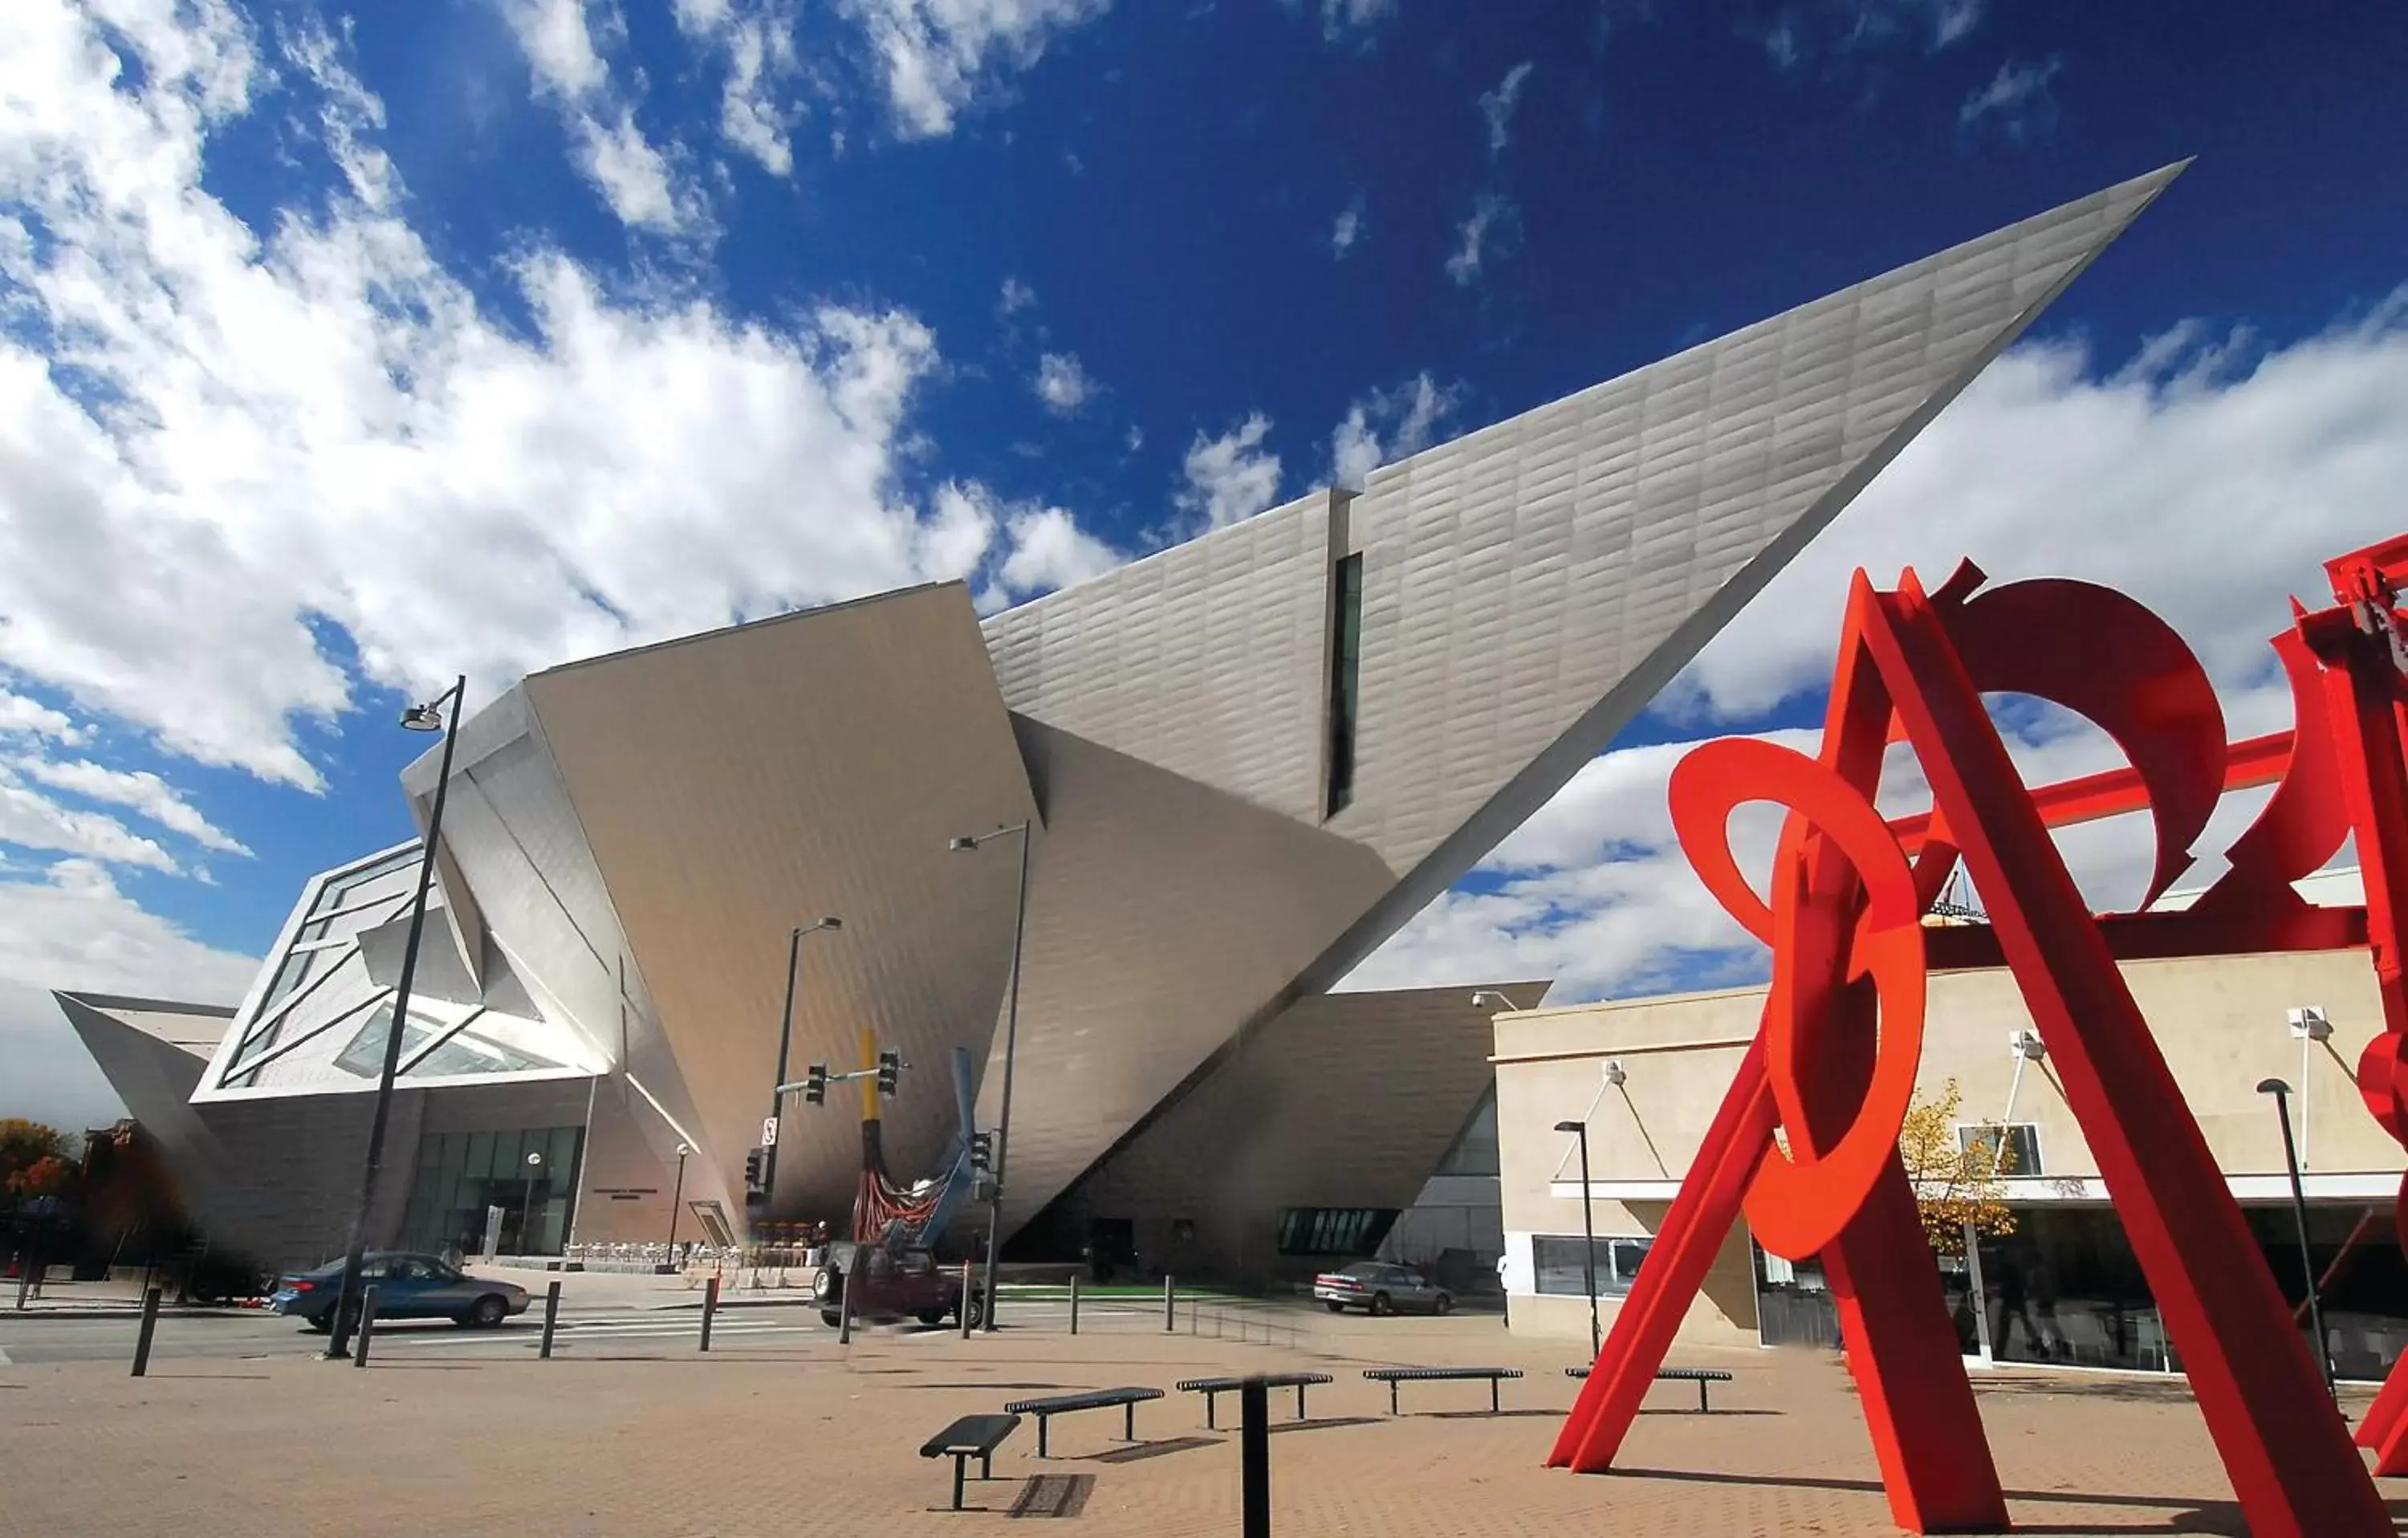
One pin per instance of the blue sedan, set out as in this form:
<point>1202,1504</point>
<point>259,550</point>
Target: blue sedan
<point>409,1287</point>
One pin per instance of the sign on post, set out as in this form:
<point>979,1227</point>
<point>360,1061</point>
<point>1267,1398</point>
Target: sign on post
<point>768,1131</point>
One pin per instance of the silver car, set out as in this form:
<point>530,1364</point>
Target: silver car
<point>1379,1287</point>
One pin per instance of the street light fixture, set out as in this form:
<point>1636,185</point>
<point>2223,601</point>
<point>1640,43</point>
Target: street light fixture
<point>418,718</point>
<point>677,1197</point>
<point>970,844</point>
<point>785,1039</point>
<point>1589,1231</point>
<point>529,1231</point>
<point>2282,1093</point>
<point>1490,996</point>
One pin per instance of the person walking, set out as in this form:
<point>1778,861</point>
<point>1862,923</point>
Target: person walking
<point>1505,1289</point>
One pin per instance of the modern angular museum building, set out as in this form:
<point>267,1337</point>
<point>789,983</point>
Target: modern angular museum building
<point>1241,763</point>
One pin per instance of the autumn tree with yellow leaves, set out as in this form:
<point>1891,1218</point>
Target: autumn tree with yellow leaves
<point>1956,1186</point>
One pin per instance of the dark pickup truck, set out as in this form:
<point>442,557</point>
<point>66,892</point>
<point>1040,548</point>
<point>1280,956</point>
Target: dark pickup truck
<point>883,1285</point>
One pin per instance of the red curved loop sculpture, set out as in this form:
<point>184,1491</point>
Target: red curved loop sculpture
<point>1798,1203</point>
<point>1834,1059</point>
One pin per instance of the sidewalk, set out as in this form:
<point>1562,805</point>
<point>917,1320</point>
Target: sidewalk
<point>801,1435</point>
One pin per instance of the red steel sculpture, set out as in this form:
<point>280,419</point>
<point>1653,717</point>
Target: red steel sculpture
<point>1806,1139</point>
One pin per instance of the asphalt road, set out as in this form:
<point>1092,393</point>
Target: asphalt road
<point>596,1327</point>
<point>30,1338</point>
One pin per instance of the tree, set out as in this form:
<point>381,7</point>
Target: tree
<point>46,1176</point>
<point>24,1144</point>
<point>1956,1186</point>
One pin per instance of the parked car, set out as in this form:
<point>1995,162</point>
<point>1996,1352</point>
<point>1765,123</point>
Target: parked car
<point>886,1284</point>
<point>409,1287</point>
<point>1379,1287</point>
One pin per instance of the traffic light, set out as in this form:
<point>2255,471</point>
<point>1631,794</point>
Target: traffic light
<point>753,1170</point>
<point>816,1084</point>
<point>981,1151</point>
<point>890,1073</point>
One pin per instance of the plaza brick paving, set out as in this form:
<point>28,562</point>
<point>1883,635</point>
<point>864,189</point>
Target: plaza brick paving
<point>810,1438</point>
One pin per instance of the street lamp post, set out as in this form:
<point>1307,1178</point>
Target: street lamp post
<point>428,717</point>
<point>529,1234</point>
<point>785,1039</point>
<point>1011,1048</point>
<point>2282,1093</point>
<point>676,1197</point>
<point>1589,1231</point>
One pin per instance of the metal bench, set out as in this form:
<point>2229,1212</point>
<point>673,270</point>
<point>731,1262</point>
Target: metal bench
<point>1392,1376</point>
<point>972,1436</point>
<point>1099,1399</point>
<point>1699,1376</point>
<point>1212,1388</point>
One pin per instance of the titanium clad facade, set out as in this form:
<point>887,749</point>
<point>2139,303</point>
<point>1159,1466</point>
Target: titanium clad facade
<point>1347,1101</point>
<point>1524,591</point>
<point>739,783</point>
<point>1246,761</point>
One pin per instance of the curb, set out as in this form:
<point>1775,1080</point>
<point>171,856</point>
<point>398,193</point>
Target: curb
<point>189,1311</point>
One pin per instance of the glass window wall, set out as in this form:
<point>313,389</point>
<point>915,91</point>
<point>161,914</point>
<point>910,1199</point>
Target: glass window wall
<point>530,1174</point>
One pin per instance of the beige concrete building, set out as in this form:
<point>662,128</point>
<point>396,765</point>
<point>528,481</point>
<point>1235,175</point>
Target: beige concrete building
<point>1646,1077</point>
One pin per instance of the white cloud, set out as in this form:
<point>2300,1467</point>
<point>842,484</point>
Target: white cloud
<point>2209,491</point>
<point>1479,236</point>
<point>1062,383</point>
<point>610,150</point>
<point>1232,477</point>
<point>1387,425</point>
<point>758,38</point>
<point>19,716</point>
<point>937,55</point>
<point>1049,550</point>
<point>32,820</point>
<point>1355,20</point>
<point>1496,106</point>
<point>139,789</point>
<point>69,926</point>
<point>1348,228</point>
<point>216,443</point>
<point>1017,297</point>
<point>2017,101</point>
<point>1841,28</point>
<point>1952,20</point>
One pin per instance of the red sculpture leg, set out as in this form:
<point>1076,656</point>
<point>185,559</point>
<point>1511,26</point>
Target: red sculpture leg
<point>2283,1442</point>
<point>2386,1426</point>
<point>2362,702</point>
<point>1900,1343</point>
<point>1903,1352</point>
<point>1676,1266</point>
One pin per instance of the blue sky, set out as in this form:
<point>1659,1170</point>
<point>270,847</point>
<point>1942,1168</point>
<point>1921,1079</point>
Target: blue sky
<point>342,350</point>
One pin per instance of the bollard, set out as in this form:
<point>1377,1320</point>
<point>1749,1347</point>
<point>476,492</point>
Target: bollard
<point>967,1295</point>
<point>1074,1302</point>
<point>1169,1304</point>
<point>1254,1458</point>
<point>367,1326</point>
<point>551,1319</point>
<point>142,1336</point>
<point>844,1316</point>
<point>710,1307</point>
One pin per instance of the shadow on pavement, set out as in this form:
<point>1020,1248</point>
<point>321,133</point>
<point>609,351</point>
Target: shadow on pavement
<point>1324,1423</point>
<point>2190,1516</point>
<point>1678,1414</point>
<point>1137,1452</point>
<point>1054,1495</point>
